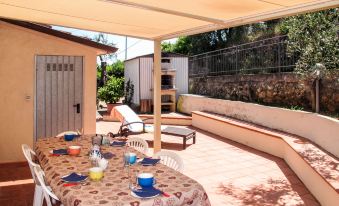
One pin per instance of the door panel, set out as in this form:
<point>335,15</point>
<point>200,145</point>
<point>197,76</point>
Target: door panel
<point>59,84</point>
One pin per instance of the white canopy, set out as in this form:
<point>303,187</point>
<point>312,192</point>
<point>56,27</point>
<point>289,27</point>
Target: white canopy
<point>155,19</point>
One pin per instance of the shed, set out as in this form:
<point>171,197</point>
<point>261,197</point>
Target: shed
<point>47,84</point>
<point>174,79</point>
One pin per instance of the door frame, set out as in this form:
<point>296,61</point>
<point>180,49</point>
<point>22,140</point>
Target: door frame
<point>35,138</point>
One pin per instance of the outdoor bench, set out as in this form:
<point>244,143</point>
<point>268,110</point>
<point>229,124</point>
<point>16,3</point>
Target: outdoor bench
<point>317,169</point>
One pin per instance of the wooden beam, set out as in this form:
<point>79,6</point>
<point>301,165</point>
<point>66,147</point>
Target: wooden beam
<point>157,95</point>
<point>276,14</point>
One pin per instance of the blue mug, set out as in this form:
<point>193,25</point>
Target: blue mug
<point>146,179</point>
<point>69,136</point>
<point>130,158</point>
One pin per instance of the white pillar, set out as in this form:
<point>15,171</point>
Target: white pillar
<point>157,95</point>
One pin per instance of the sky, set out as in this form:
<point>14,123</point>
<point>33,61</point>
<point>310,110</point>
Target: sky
<point>135,47</point>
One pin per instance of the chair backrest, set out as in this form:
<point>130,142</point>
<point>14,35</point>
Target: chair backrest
<point>126,115</point>
<point>67,132</point>
<point>170,159</point>
<point>28,153</point>
<point>41,179</point>
<point>138,143</point>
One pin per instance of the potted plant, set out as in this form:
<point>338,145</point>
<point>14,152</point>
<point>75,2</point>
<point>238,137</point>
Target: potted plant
<point>111,92</point>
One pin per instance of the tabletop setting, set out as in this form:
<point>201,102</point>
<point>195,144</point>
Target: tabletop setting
<point>101,170</point>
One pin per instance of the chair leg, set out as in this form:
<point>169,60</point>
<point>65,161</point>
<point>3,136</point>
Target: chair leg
<point>38,196</point>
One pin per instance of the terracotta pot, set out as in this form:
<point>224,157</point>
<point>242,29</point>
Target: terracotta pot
<point>110,107</point>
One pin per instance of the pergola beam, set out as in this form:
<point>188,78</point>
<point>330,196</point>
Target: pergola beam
<point>284,12</point>
<point>157,95</point>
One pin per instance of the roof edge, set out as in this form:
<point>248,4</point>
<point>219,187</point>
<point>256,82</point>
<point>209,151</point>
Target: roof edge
<point>163,55</point>
<point>60,34</point>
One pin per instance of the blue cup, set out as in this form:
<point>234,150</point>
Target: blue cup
<point>130,158</point>
<point>69,137</point>
<point>146,179</point>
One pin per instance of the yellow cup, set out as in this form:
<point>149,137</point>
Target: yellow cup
<point>96,173</point>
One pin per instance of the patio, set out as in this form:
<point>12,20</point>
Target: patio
<point>231,173</point>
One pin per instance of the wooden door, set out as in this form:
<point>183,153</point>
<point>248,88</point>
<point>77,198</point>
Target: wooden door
<point>59,86</point>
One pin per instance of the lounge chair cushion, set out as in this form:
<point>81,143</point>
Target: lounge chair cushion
<point>126,115</point>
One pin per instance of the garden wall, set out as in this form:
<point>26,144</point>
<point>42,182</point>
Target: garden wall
<point>281,89</point>
<point>317,128</point>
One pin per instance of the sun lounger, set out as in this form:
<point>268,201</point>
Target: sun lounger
<point>130,121</point>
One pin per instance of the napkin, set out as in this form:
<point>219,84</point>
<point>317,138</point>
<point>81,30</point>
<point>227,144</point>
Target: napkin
<point>149,161</point>
<point>74,177</point>
<point>118,144</point>
<point>147,192</point>
<point>60,151</point>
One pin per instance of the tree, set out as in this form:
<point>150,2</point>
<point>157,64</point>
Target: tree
<point>314,38</point>
<point>116,69</point>
<point>210,41</point>
<point>102,38</point>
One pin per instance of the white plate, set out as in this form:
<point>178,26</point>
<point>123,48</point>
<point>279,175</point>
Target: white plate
<point>134,195</point>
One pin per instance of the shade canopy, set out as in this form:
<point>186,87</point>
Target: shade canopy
<point>155,19</point>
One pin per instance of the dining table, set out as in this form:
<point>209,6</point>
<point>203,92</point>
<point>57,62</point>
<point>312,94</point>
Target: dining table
<point>114,188</point>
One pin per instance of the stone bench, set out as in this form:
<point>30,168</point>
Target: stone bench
<point>318,169</point>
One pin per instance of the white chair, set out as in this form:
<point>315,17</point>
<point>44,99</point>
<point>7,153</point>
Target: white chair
<point>170,159</point>
<point>138,143</point>
<point>38,194</point>
<point>47,192</point>
<point>68,132</point>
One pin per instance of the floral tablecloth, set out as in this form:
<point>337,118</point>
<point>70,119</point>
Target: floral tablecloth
<point>113,188</point>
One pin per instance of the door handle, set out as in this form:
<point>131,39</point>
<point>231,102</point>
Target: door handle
<point>78,107</point>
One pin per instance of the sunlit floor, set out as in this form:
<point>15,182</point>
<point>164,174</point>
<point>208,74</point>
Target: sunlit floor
<point>231,173</point>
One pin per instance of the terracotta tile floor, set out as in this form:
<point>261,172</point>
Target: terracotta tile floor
<point>234,174</point>
<point>231,173</point>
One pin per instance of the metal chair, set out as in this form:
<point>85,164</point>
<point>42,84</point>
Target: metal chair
<point>38,194</point>
<point>47,192</point>
<point>138,143</point>
<point>170,159</point>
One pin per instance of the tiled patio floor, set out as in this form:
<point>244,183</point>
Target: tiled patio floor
<point>234,174</point>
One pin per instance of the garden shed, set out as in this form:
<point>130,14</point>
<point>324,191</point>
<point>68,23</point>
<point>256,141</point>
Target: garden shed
<point>48,84</point>
<point>174,79</point>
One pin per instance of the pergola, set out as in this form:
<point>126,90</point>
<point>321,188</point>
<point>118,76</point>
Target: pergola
<point>155,20</point>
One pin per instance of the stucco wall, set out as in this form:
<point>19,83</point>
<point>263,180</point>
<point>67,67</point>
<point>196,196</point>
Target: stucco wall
<point>18,47</point>
<point>319,129</point>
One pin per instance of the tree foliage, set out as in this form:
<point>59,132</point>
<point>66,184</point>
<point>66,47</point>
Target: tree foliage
<point>314,37</point>
<point>210,41</point>
<point>112,91</point>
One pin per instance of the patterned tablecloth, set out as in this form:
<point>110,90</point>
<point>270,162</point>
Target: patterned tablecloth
<point>113,188</point>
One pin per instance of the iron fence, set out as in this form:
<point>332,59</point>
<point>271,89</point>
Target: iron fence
<point>264,56</point>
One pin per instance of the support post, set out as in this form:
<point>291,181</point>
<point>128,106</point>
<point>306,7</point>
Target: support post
<point>157,95</point>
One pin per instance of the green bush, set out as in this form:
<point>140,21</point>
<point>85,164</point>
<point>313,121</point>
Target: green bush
<point>112,91</point>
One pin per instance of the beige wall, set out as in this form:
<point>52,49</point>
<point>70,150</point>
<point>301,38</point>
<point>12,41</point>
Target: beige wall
<point>326,194</point>
<point>18,47</point>
<point>317,128</point>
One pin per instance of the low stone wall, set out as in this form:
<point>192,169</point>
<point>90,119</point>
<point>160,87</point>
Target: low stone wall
<point>317,128</point>
<point>285,89</point>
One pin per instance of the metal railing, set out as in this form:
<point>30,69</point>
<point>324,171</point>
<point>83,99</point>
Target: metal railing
<point>264,56</point>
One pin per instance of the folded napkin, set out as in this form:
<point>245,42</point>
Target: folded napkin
<point>118,144</point>
<point>60,151</point>
<point>149,161</point>
<point>108,155</point>
<point>147,192</point>
<point>74,177</point>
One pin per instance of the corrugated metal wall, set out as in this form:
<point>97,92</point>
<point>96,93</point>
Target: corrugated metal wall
<point>132,73</point>
<point>146,78</point>
<point>181,79</point>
